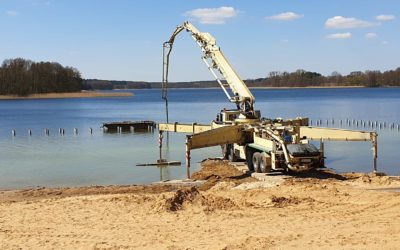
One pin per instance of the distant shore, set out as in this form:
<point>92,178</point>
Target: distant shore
<point>311,87</point>
<point>83,94</point>
<point>307,87</point>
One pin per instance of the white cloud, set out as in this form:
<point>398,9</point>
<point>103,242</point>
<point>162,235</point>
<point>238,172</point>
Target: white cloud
<point>12,13</point>
<point>346,35</point>
<point>285,16</point>
<point>340,22</point>
<point>212,15</point>
<point>370,35</point>
<point>384,42</point>
<point>285,40</point>
<point>385,17</point>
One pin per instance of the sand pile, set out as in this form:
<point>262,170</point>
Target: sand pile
<point>191,198</point>
<point>215,171</point>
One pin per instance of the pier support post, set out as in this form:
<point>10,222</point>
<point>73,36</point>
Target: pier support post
<point>322,149</point>
<point>188,157</point>
<point>375,150</point>
<point>160,138</point>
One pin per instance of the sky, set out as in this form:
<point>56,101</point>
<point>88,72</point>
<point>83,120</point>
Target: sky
<point>122,39</point>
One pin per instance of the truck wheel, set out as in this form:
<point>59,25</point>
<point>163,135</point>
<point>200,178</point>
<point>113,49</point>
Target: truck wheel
<point>265,163</point>
<point>256,161</point>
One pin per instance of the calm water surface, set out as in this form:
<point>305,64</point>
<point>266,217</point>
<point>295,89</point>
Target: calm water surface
<point>101,159</point>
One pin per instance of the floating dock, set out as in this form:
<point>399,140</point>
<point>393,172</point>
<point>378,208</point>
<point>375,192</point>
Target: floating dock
<point>129,126</point>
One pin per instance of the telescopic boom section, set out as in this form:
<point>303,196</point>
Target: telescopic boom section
<point>215,60</point>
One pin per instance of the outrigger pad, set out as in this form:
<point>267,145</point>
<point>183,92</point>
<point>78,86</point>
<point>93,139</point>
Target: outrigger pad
<point>302,150</point>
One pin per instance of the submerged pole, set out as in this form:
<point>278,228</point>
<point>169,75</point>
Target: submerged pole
<point>321,149</point>
<point>375,150</point>
<point>160,138</point>
<point>187,157</point>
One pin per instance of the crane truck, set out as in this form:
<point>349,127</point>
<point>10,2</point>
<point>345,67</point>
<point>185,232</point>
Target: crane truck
<point>265,144</point>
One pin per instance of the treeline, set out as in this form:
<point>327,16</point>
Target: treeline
<point>113,84</point>
<point>299,78</point>
<point>24,77</point>
<point>302,78</point>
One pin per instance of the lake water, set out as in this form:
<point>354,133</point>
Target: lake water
<point>103,159</point>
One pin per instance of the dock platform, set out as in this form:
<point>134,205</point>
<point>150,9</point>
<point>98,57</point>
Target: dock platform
<point>129,126</point>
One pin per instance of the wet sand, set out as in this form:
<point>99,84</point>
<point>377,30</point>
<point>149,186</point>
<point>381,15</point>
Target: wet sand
<point>230,210</point>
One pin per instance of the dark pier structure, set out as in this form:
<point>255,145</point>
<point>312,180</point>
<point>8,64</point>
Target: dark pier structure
<point>129,126</point>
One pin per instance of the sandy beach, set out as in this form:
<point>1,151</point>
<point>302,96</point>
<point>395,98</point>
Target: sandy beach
<point>230,210</point>
<point>83,94</point>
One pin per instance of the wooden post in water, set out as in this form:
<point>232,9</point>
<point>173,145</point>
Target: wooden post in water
<point>30,132</point>
<point>187,157</point>
<point>13,132</point>
<point>321,149</point>
<point>160,138</point>
<point>375,150</point>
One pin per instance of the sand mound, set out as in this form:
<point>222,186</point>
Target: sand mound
<point>372,180</point>
<point>192,198</point>
<point>214,171</point>
<point>180,197</point>
<point>281,201</point>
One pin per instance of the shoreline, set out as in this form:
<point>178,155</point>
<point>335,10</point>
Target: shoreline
<point>83,94</point>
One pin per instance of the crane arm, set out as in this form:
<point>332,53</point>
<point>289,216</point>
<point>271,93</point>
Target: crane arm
<point>215,60</point>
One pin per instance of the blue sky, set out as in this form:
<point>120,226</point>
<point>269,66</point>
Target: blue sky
<point>122,39</point>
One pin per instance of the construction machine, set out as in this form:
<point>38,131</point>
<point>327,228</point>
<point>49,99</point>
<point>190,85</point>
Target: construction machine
<point>265,144</point>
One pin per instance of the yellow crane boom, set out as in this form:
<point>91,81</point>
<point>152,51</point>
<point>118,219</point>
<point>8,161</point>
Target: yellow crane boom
<point>235,89</point>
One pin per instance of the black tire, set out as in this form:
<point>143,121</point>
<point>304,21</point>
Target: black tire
<point>265,166</point>
<point>256,161</point>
